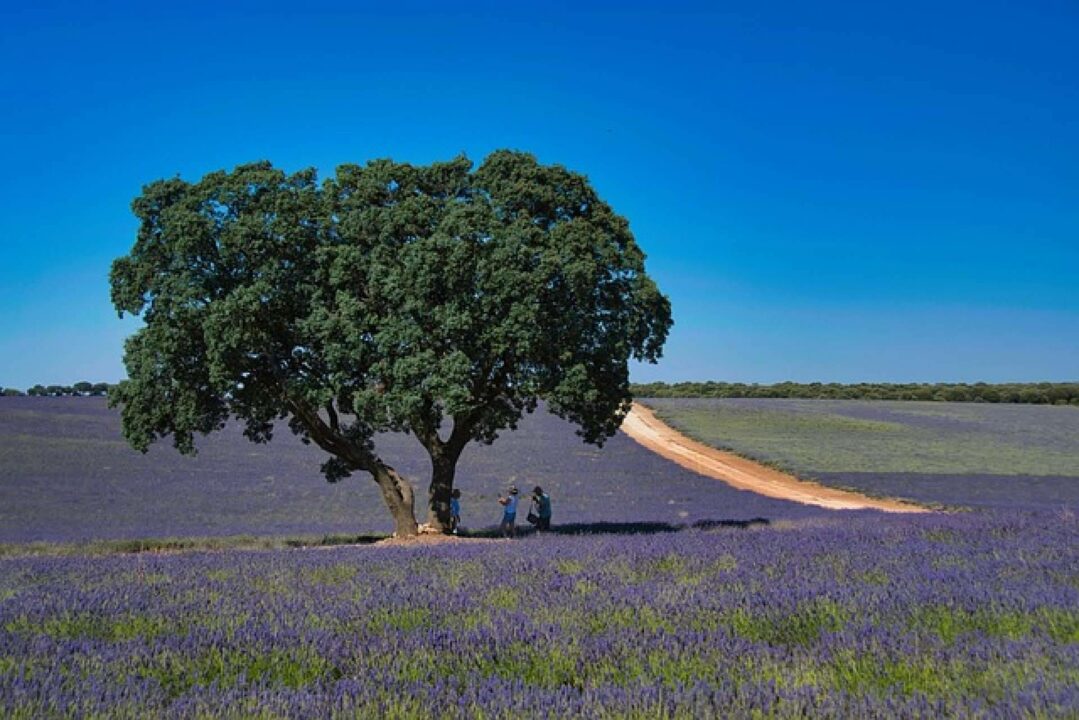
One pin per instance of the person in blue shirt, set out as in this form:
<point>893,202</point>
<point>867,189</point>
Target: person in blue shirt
<point>455,510</point>
<point>509,513</point>
<point>541,502</point>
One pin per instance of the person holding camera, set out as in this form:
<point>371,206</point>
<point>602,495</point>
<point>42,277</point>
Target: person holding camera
<point>539,514</point>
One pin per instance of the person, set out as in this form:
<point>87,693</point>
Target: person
<point>455,510</point>
<point>541,505</point>
<point>509,513</point>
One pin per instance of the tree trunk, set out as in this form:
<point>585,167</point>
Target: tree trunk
<point>399,497</point>
<point>396,490</point>
<point>443,470</point>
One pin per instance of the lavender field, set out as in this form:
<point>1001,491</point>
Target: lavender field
<point>956,454</point>
<point>67,475</point>
<point>664,594</point>
<point>883,617</point>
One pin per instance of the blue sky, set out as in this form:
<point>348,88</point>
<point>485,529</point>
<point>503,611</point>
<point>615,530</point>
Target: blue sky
<point>833,192</point>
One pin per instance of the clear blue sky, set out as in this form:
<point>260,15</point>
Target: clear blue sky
<point>834,192</point>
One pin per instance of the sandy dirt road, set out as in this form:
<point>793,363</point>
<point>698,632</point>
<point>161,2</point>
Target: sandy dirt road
<point>642,425</point>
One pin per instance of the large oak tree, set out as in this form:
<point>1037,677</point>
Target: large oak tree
<point>435,300</point>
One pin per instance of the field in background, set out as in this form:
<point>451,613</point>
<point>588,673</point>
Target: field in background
<point>66,474</point>
<point>971,454</point>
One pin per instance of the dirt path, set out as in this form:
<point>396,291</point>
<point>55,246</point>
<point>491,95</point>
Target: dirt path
<point>643,426</point>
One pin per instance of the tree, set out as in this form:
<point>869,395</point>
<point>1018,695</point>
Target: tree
<point>82,388</point>
<point>435,300</point>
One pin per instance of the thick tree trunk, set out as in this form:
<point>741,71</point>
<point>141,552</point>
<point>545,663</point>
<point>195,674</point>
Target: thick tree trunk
<point>399,497</point>
<point>443,470</point>
<point>396,490</point>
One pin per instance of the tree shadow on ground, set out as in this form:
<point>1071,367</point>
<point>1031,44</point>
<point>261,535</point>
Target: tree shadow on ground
<point>624,528</point>
<point>171,545</point>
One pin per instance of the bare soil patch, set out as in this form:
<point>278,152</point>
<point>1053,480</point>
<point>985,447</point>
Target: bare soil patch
<point>427,537</point>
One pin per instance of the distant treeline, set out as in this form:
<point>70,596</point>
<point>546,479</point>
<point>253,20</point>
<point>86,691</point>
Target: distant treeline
<point>84,389</point>
<point>1036,393</point>
<point>1044,393</point>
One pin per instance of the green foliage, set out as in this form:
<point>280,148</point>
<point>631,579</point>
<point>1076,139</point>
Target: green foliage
<point>569,566</point>
<point>642,618</point>
<point>549,667</point>
<point>331,575</point>
<point>503,598</point>
<point>401,619</point>
<point>86,625</point>
<point>950,623</point>
<point>798,628</point>
<point>386,298</point>
<point>294,667</point>
<point>1038,393</point>
<point>79,388</point>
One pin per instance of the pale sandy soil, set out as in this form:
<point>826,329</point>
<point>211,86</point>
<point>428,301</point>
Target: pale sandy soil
<point>428,537</point>
<point>643,426</point>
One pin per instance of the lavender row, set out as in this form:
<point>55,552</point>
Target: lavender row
<point>973,490</point>
<point>871,616</point>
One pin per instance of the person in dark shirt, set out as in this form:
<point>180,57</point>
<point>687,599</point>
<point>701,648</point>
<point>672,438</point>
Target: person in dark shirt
<point>541,502</point>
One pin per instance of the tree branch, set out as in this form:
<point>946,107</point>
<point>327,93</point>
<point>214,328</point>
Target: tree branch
<point>334,424</point>
<point>461,433</point>
<point>331,440</point>
<point>428,437</point>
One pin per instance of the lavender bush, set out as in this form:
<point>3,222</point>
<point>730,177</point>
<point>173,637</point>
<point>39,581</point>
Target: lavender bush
<point>863,616</point>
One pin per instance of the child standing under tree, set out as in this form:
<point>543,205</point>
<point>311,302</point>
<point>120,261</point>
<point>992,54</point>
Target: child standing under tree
<point>509,513</point>
<point>455,510</point>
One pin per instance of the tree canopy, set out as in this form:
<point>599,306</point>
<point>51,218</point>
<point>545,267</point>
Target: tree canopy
<point>442,301</point>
